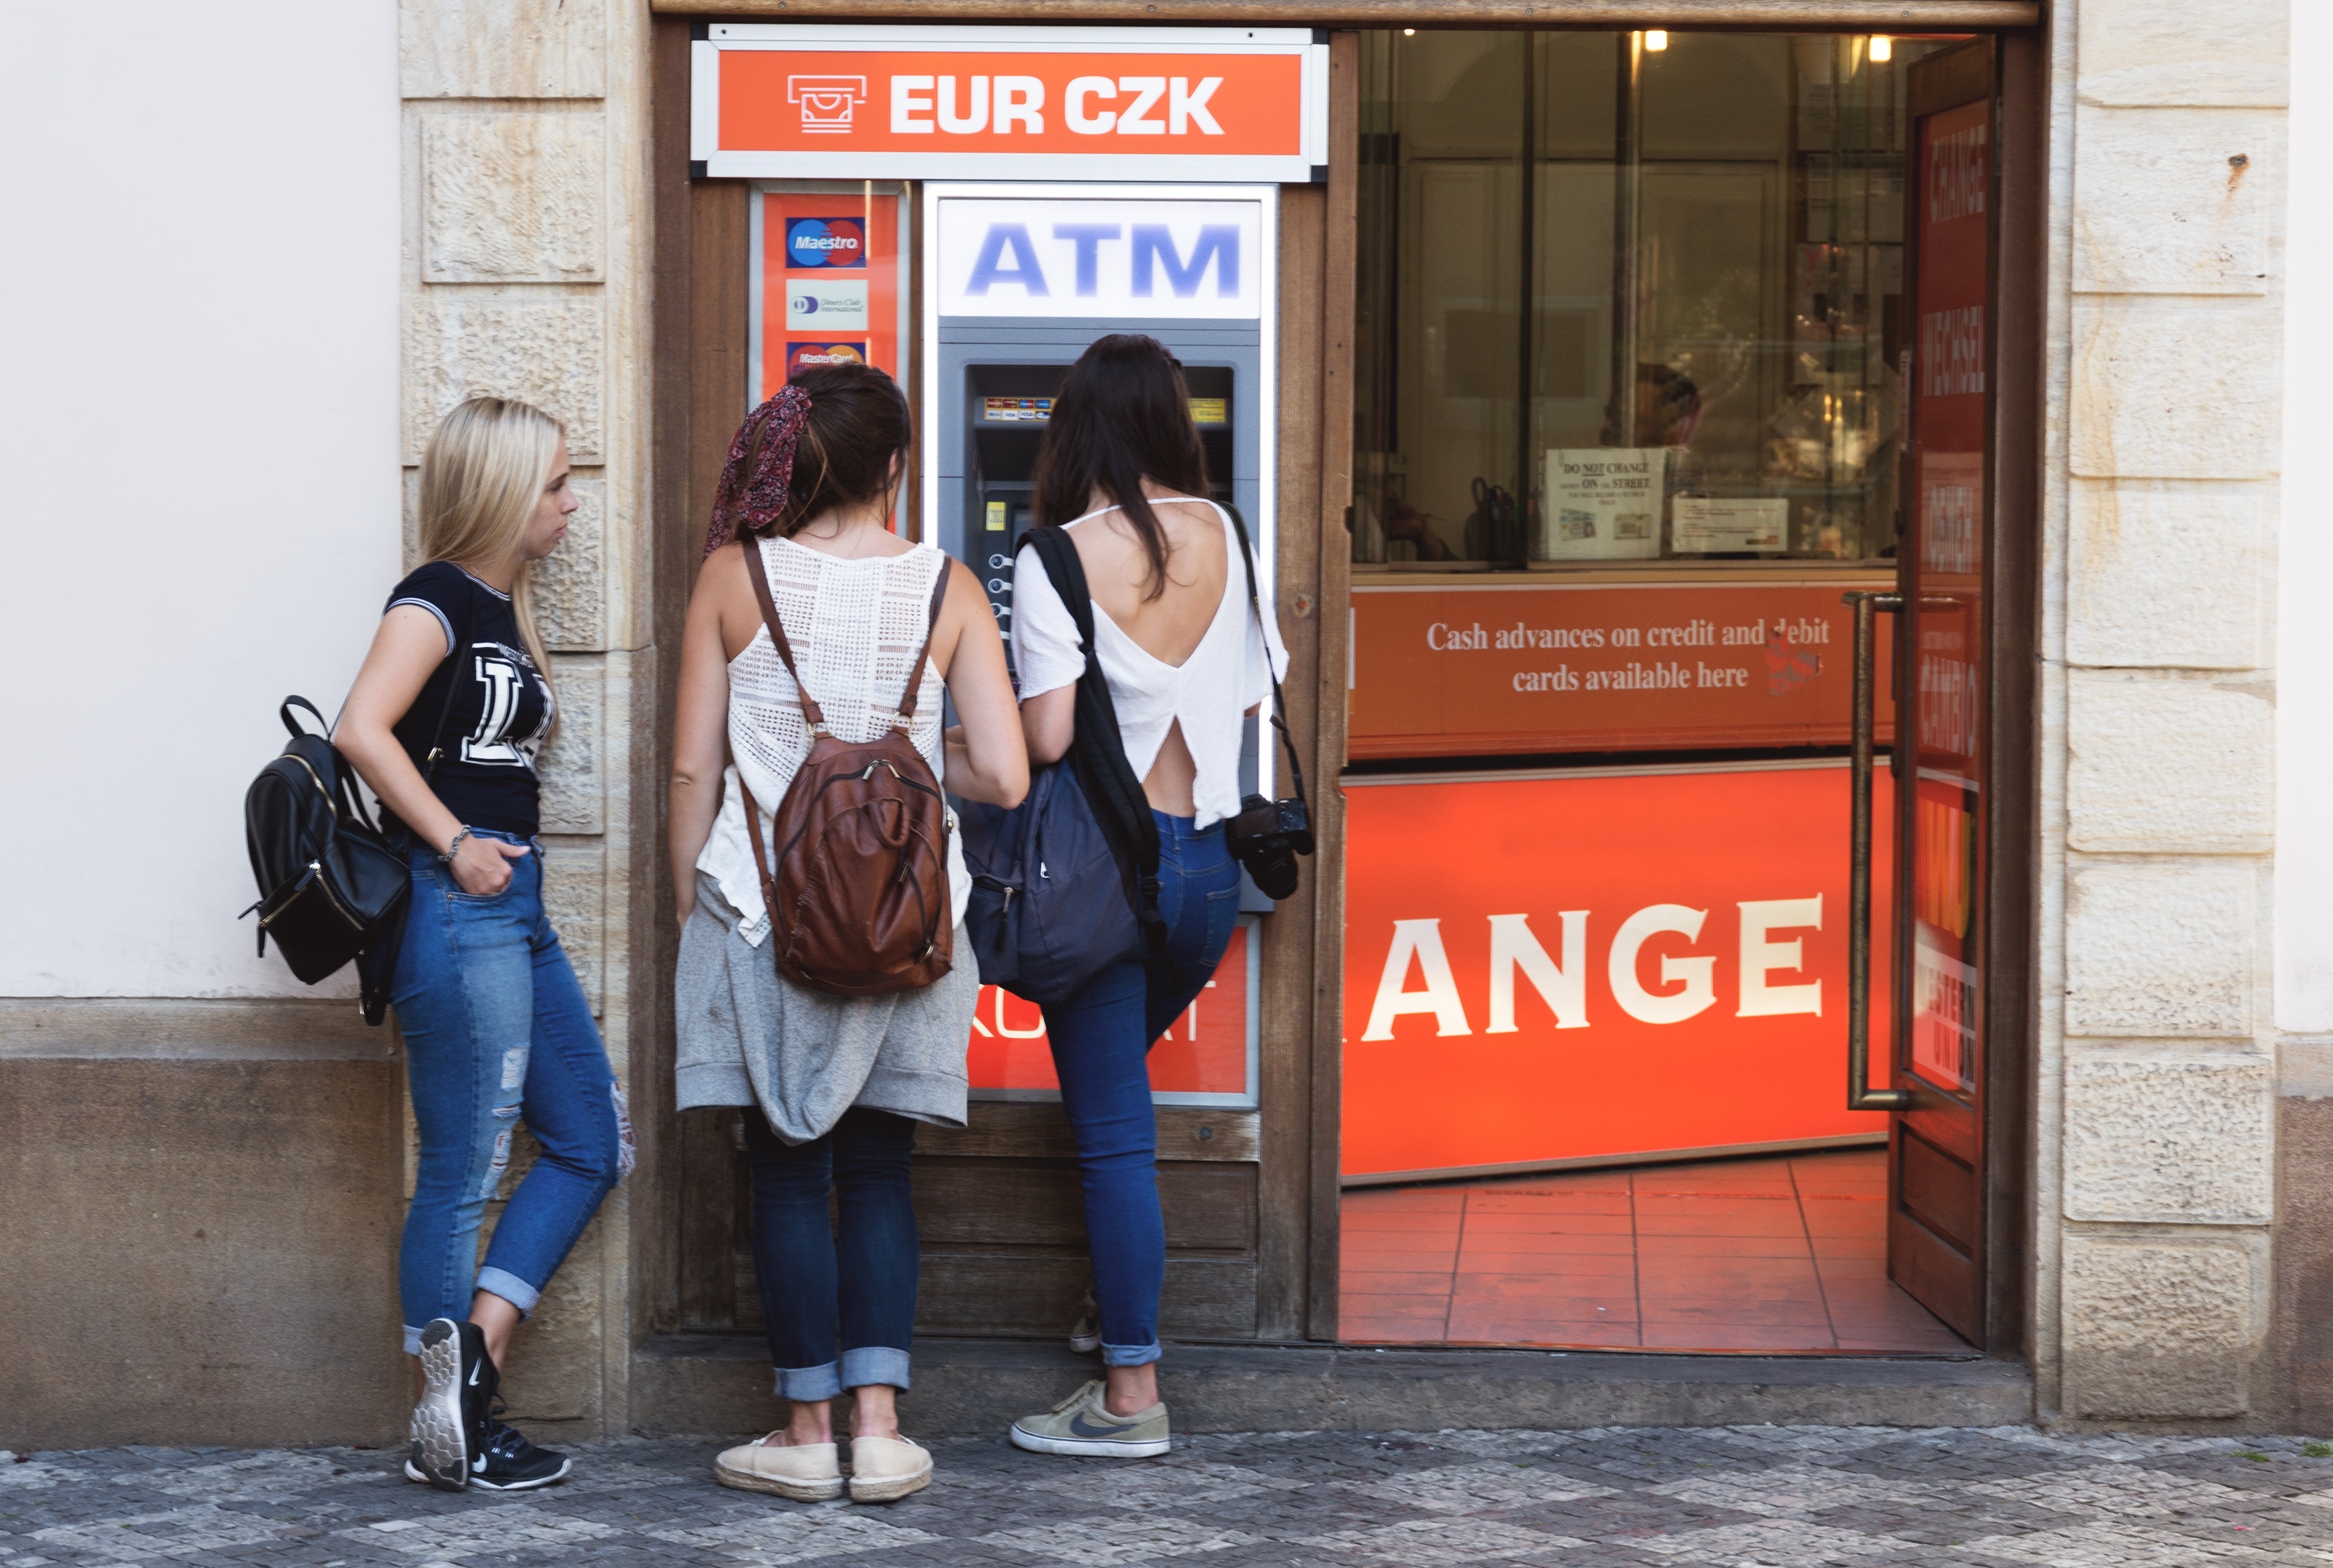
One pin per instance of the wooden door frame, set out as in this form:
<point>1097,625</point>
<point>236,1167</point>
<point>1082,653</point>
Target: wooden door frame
<point>698,325</point>
<point>2009,819</point>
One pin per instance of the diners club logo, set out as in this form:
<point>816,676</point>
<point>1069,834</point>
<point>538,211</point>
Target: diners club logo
<point>826,242</point>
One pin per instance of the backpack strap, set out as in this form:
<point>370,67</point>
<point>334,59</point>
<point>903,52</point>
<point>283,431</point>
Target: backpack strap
<point>813,714</point>
<point>907,718</point>
<point>1278,703</point>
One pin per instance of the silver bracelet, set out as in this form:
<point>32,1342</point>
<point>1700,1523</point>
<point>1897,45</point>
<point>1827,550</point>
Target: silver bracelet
<point>447,858</point>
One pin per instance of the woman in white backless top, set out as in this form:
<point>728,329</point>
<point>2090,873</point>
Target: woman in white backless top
<point>832,1086</point>
<point>1186,659</point>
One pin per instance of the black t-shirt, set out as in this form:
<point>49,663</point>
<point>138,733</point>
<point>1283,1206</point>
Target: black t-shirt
<point>502,706</point>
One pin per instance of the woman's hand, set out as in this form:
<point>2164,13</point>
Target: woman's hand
<point>483,865</point>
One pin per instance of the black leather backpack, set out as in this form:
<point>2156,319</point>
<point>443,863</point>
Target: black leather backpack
<point>331,886</point>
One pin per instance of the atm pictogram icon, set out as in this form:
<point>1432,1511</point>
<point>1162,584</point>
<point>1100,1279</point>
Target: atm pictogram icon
<point>826,102</point>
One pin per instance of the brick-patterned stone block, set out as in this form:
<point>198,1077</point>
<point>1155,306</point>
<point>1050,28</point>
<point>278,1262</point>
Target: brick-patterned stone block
<point>2176,52</point>
<point>569,767</point>
<point>2174,201</point>
<point>571,584</point>
<point>574,897</point>
<point>513,198</point>
<point>2170,1139</point>
<point>2169,578</point>
<point>2160,1330</point>
<point>2163,392</point>
<point>2170,763</point>
<point>552,352</point>
<point>2161,950</point>
<point>502,48</point>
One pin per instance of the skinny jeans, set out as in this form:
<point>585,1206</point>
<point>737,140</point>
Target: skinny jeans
<point>1102,1036</point>
<point>497,1033</point>
<point>845,1285</point>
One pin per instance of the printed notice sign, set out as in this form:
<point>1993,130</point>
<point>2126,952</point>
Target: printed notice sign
<point>1603,502</point>
<point>1700,524</point>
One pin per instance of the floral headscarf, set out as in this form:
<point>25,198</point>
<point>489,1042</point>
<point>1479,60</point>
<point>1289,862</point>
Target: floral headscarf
<point>754,484</point>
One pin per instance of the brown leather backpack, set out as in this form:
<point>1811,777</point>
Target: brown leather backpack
<point>859,904</point>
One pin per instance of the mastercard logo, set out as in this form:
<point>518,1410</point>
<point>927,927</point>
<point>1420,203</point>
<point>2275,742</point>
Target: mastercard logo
<point>801,356</point>
<point>826,242</point>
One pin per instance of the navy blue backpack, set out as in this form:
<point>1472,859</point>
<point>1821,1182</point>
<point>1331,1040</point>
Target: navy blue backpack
<point>1067,882</point>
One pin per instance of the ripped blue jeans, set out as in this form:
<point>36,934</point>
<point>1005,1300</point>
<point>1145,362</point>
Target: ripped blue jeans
<point>497,1032</point>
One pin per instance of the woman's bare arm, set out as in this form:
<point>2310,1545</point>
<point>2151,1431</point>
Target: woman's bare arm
<point>1050,721</point>
<point>407,648</point>
<point>986,757</point>
<point>700,741</point>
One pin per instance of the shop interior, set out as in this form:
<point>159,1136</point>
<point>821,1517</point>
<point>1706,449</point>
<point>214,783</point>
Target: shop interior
<point>1633,319</point>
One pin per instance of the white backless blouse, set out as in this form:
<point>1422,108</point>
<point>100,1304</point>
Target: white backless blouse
<point>1229,672</point>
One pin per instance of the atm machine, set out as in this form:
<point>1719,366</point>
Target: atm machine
<point>1019,279</point>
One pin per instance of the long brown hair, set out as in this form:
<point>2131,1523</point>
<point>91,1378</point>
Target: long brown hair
<point>849,432</point>
<point>1123,415</point>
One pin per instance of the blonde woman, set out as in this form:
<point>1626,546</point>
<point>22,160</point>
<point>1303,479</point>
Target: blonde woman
<point>444,724</point>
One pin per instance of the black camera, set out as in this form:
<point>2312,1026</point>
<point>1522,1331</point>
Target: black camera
<point>1267,835</point>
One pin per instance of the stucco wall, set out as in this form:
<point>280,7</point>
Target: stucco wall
<point>2156,1181</point>
<point>197,417</point>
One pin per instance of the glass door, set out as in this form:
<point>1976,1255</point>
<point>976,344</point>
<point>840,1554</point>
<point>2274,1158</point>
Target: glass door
<point>1935,1186</point>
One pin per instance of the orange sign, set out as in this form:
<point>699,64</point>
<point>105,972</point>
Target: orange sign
<point>782,101</point>
<point>1544,969</point>
<point>913,102</point>
<point>829,285</point>
<point>1207,1057</point>
<point>1505,669</point>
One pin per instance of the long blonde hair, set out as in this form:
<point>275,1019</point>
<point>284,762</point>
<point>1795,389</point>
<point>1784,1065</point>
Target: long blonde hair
<point>480,480</point>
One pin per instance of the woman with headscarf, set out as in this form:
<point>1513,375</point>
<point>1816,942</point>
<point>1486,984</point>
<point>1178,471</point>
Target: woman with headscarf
<point>832,1086</point>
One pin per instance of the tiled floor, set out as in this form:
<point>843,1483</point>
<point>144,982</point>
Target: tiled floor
<point>1780,1253</point>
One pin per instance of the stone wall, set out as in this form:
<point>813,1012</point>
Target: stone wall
<point>526,274</point>
<point>2156,1177</point>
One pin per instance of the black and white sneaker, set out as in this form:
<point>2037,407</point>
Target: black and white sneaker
<point>454,1370</point>
<point>505,1461</point>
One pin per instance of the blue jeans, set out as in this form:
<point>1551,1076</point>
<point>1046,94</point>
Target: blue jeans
<point>849,1281</point>
<point>1101,1038</point>
<point>495,1030</point>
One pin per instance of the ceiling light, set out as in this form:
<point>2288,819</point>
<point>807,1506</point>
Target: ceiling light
<point>1657,40</point>
<point>1883,49</point>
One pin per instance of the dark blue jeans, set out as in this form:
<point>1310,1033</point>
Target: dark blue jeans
<point>850,1281</point>
<point>497,1030</point>
<point>1101,1038</point>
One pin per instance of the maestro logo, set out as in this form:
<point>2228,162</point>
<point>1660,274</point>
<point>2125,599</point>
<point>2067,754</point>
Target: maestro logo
<point>826,242</point>
<point>817,305</point>
<point>801,356</point>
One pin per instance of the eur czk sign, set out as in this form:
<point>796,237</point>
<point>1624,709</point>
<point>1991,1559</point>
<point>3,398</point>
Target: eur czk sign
<point>1186,103</point>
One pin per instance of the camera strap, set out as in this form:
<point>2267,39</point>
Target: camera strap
<point>1278,705</point>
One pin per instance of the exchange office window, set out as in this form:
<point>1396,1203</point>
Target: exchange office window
<point>1629,298</point>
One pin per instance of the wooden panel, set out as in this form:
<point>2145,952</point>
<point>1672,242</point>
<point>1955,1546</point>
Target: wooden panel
<point>1334,548</point>
<point>1852,15</point>
<point>1289,996</point>
<point>1037,1129</point>
<point>987,1204</point>
<point>1939,1191</point>
<point>1205,1298</point>
<point>2013,893</point>
<point>698,319</point>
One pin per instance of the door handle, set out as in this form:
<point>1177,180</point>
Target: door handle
<point>1860,1095</point>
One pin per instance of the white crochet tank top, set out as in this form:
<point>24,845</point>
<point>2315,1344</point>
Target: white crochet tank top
<point>853,626</point>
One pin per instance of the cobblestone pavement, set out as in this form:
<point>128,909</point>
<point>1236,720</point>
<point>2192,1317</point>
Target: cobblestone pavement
<point>1785,1497</point>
